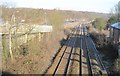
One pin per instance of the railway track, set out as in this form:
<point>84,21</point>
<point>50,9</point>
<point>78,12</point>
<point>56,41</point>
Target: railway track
<point>78,56</point>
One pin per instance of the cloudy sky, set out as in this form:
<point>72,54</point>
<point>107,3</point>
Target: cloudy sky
<point>103,6</point>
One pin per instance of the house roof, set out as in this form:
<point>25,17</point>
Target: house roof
<point>116,25</point>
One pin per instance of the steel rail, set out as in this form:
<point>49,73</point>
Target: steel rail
<point>80,57</point>
<point>96,53</point>
<point>68,61</point>
<point>88,55</point>
<point>62,56</point>
<point>98,58</point>
<point>103,68</point>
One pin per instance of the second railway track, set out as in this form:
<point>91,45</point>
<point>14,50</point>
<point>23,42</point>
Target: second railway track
<point>77,56</point>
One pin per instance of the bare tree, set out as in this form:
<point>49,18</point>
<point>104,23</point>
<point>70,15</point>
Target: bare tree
<point>7,4</point>
<point>116,11</point>
<point>10,24</point>
<point>10,35</point>
<point>115,14</point>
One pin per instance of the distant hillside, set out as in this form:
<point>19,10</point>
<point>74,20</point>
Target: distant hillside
<point>37,16</point>
<point>85,14</point>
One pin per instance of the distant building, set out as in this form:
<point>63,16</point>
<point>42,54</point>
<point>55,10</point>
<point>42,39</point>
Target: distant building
<point>115,33</point>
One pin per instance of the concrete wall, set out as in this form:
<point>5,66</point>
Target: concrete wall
<point>114,35</point>
<point>115,38</point>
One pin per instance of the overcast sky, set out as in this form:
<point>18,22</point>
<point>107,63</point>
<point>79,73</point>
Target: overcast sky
<point>103,6</point>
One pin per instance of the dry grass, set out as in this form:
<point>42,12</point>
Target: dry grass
<point>37,57</point>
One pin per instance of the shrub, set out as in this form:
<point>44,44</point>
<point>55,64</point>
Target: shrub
<point>117,65</point>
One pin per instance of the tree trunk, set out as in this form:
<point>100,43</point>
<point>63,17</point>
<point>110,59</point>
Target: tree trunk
<point>10,45</point>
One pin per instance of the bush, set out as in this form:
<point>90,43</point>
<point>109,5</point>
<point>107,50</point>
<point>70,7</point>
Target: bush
<point>56,18</point>
<point>99,23</point>
<point>117,65</point>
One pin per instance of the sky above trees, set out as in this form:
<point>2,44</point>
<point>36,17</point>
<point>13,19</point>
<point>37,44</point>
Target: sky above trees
<point>103,6</point>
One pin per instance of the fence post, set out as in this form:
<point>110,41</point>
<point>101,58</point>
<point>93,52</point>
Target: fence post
<point>119,50</point>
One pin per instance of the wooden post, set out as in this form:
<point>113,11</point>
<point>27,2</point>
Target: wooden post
<point>119,36</point>
<point>40,36</point>
<point>119,50</point>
